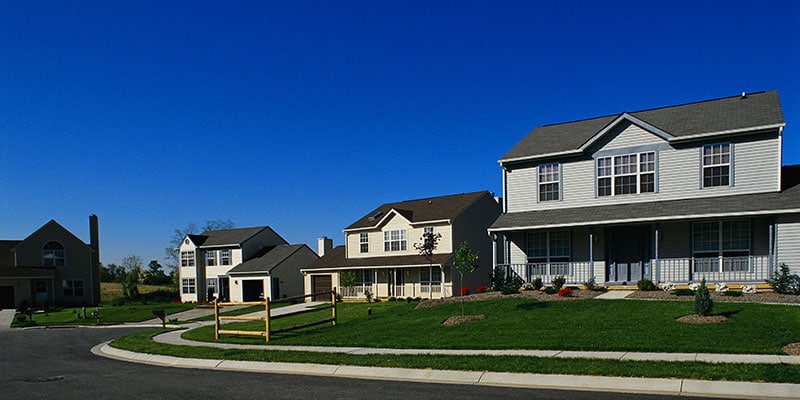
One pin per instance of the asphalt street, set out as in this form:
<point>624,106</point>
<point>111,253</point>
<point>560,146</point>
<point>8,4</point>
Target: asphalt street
<point>57,363</point>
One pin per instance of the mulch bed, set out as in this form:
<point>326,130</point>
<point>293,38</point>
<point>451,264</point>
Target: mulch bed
<point>533,294</point>
<point>463,319</point>
<point>700,319</point>
<point>792,349</point>
<point>762,297</point>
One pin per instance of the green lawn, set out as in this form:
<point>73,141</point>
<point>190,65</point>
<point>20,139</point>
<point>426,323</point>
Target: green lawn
<point>110,315</point>
<point>515,323</point>
<point>142,342</point>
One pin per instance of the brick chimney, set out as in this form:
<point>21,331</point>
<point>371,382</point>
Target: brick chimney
<point>94,243</point>
<point>324,246</point>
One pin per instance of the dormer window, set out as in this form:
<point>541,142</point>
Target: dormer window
<point>716,165</point>
<point>549,182</point>
<point>53,254</point>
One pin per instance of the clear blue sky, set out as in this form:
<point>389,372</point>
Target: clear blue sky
<point>306,115</point>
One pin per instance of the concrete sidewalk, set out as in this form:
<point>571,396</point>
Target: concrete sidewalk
<point>6,318</point>
<point>680,387</point>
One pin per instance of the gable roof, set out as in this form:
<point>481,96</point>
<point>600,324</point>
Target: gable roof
<point>336,259</point>
<point>727,115</point>
<point>226,237</point>
<point>58,226</point>
<point>420,210</point>
<point>269,260</point>
<point>771,203</point>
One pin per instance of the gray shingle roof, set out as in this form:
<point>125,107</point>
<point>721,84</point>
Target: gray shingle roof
<point>421,210</point>
<point>747,204</point>
<point>336,260</point>
<point>230,236</point>
<point>730,113</point>
<point>268,261</point>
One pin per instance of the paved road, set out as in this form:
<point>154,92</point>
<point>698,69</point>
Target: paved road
<point>58,364</point>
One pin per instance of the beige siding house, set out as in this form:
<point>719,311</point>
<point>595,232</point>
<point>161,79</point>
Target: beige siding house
<point>673,194</point>
<point>379,248</point>
<point>244,264</point>
<point>51,266</point>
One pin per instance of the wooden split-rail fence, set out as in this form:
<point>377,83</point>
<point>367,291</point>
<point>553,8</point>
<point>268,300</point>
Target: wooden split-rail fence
<point>267,317</point>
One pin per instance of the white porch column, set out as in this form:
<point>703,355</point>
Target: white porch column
<point>771,262</point>
<point>656,267</point>
<point>591,253</point>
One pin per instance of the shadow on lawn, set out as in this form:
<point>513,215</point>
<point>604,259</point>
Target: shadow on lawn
<point>533,305</point>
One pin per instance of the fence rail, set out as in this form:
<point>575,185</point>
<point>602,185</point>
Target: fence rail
<point>267,317</point>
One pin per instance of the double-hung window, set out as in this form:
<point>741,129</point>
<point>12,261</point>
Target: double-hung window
<point>188,286</point>
<point>549,182</point>
<point>363,242</point>
<point>187,259</point>
<point>394,240</point>
<point>211,258</point>
<point>721,245</point>
<point>626,174</point>
<point>225,257</point>
<point>73,287</point>
<point>548,252</point>
<point>53,254</point>
<point>717,165</point>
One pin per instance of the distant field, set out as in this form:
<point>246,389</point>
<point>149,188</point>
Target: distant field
<point>110,290</point>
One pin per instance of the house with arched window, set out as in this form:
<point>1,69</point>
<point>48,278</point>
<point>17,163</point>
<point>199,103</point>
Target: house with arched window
<point>51,266</point>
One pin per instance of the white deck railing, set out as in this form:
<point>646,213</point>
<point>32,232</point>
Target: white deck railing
<point>575,273</point>
<point>716,269</point>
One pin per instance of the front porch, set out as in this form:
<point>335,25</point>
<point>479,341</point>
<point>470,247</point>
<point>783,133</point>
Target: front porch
<point>729,250</point>
<point>424,282</point>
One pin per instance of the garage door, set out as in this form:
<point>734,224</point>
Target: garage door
<point>321,284</point>
<point>6,297</point>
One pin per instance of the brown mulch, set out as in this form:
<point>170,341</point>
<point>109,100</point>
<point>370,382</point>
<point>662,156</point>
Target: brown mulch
<point>792,349</point>
<point>532,294</point>
<point>700,319</point>
<point>463,319</point>
<point>762,297</point>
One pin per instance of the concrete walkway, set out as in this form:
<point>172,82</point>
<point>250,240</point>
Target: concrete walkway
<point>6,318</point>
<point>614,294</point>
<point>685,387</point>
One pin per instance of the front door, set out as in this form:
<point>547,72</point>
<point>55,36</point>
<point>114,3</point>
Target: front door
<point>40,290</point>
<point>397,283</point>
<point>224,288</point>
<point>628,253</point>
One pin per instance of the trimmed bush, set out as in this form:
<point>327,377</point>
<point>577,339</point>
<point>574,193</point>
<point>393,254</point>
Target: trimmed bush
<point>683,292</point>
<point>646,285</point>
<point>537,283</point>
<point>558,282</point>
<point>702,300</point>
<point>784,282</point>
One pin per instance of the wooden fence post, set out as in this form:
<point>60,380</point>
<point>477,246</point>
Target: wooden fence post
<point>216,320</point>
<point>266,319</point>
<point>333,305</point>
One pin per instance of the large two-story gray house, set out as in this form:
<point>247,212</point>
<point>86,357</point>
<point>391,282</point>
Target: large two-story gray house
<point>672,194</point>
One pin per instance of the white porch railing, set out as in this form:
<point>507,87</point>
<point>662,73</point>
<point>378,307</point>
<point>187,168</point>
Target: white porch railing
<point>357,290</point>
<point>432,288</point>
<point>716,269</point>
<point>575,273</point>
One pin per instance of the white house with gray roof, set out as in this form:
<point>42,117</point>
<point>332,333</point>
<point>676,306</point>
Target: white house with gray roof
<point>244,264</point>
<point>672,194</point>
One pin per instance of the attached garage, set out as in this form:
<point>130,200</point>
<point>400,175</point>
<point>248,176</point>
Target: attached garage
<point>6,297</point>
<point>252,289</point>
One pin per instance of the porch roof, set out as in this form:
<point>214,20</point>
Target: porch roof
<point>27,272</point>
<point>785,202</point>
<point>336,260</point>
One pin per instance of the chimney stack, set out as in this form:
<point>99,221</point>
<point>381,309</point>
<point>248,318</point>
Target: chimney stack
<point>94,243</point>
<point>324,246</point>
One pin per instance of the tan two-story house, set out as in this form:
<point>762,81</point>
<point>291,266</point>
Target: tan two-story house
<point>379,248</point>
<point>51,266</point>
<point>674,194</point>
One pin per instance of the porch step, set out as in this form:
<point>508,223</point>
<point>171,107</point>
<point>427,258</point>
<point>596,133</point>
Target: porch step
<point>614,294</point>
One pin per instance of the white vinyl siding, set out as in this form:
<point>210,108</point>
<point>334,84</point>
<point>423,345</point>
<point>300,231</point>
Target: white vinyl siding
<point>755,170</point>
<point>632,136</point>
<point>788,243</point>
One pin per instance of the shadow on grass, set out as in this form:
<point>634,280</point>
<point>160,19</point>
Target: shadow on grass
<point>533,305</point>
<point>728,314</point>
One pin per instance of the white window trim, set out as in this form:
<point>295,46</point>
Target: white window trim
<point>558,181</point>
<point>402,244</point>
<point>729,164</point>
<point>50,257</point>
<point>637,165</point>
<point>187,257</point>
<point>211,255</point>
<point>363,239</point>
<point>188,286</point>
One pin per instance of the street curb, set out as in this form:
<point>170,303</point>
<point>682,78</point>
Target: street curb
<point>678,387</point>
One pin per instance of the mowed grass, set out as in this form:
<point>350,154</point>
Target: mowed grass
<point>109,315</point>
<point>515,323</point>
<point>142,342</point>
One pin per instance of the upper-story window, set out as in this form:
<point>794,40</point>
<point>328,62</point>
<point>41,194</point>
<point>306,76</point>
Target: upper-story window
<point>211,258</point>
<point>53,254</point>
<point>717,165</point>
<point>225,257</point>
<point>363,241</point>
<point>394,240</point>
<point>187,259</point>
<point>549,182</point>
<point>626,174</point>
